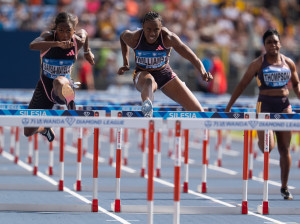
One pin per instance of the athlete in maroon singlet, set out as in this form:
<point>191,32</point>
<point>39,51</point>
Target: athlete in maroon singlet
<point>59,48</point>
<point>152,46</point>
<point>272,71</point>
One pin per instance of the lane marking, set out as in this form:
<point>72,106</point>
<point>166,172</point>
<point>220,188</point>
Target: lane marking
<point>52,181</point>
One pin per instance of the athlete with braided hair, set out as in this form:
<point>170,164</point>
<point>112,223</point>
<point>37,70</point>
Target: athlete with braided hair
<point>152,46</point>
<point>58,51</point>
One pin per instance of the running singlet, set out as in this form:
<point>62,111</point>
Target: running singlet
<point>57,62</point>
<point>273,76</point>
<point>151,56</point>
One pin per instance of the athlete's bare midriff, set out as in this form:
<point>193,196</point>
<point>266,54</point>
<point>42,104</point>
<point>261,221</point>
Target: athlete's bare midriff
<point>274,92</point>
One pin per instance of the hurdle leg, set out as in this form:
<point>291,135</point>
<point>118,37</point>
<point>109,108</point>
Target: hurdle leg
<point>85,141</point>
<point>36,155</point>
<point>118,170</point>
<point>158,151</point>
<point>208,149</point>
<point>186,161</point>
<point>95,171</point>
<point>204,162</point>
<point>1,140</point>
<point>30,150</point>
<point>143,152</point>
<point>150,204</point>
<point>17,154</point>
<point>79,164</point>
<point>125,159</point>
<point>228,140</point>
<point>219,148</point>
<point>12,140</point>
<point>251,154</point>
<point>51,159</point>
<point>177,153</point>
<point>111,151</point>
<point>265,206</point>
<point>61,160</point>
<point>170,134</point>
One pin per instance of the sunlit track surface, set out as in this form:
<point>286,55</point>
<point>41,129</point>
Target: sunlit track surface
<point>130,179</point>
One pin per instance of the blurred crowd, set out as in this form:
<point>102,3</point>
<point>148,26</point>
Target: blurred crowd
<point>233,28</point>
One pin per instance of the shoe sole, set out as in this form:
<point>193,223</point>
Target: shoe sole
<point>68,93</point>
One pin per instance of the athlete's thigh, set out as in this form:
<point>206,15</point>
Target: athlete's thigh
<point>140,79</point>
<point>180,93</point>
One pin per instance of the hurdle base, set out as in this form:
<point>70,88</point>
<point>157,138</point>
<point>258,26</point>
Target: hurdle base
<point>129,189</point>
<point>45,207</point>
<point>28,187</point>
<point>233,190</point>
<point>279,210</point>
<point>184,210</point>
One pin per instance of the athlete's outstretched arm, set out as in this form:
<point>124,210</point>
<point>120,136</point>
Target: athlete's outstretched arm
<point>83,40</point>
<point>127,39</point>
<point>244,82</point>
<point>172,40</point>
<point>46,41</point>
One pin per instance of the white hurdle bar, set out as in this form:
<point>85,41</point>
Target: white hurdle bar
<point>62,122</point>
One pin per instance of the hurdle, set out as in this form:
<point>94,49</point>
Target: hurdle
<point>78,122</point>
<point>264,209</point>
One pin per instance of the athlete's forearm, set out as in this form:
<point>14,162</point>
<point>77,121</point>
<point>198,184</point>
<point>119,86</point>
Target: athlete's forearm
<point>43,45</point>
<point>125,52</point>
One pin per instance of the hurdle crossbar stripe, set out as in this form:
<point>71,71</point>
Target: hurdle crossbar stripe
<point>68,121</point>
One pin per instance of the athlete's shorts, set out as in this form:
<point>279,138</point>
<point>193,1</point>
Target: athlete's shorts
<point>272,104</point>
<point>43,96</point>
<point>161,77</point>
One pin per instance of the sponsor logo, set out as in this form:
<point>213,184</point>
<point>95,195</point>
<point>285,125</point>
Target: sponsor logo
<point>70,121</point>
<point>277,116</point>
<point>129,114</point>
<point>25,121</point>
<point>207,124</point>
<point>86,113</point>
<point>253,124</point>
<point>236,115</point>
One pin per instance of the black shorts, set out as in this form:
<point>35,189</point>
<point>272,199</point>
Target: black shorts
<point>43,97</point>
<point>161,77</point>
<point>272,104</point>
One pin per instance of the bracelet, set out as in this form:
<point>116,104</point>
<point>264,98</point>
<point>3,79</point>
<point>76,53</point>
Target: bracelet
<point>88,51</point>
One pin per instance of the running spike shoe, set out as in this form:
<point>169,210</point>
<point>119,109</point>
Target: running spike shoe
<point>49,134</point>
<point>147,108</point>
<point>69,95</point>
<point>286,194</point>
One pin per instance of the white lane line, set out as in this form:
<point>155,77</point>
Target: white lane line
<point>215,200</point>
<point>52,181</point>
<point>271,182</point>
<point>223,170</point>
<point>73,150</point>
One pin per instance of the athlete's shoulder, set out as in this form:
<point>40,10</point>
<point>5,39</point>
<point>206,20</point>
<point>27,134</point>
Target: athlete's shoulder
<point>47,35</point>
<point>131,38</point>
<point>288,60</point>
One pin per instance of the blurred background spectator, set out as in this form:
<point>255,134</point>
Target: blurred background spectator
<point>233,27</point>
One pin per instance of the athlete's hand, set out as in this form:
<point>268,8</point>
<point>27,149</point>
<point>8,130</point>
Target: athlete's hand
<point>65,44</point>
<point>90,57</point>
<point>123,69</point>
<point>207,77</point>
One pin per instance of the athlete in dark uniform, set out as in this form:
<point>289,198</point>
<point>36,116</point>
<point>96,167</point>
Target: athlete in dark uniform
<point>59,48</point>
<point>272,71</point>
<point>152,46</point>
